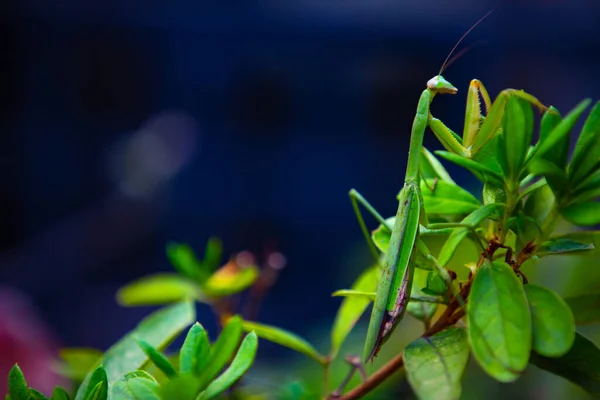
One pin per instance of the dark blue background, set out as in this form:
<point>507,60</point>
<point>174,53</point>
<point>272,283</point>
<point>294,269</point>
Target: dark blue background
<point>295,102</point>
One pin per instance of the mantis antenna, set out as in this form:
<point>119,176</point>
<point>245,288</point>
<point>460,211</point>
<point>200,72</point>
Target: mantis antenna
<point>446,63</point>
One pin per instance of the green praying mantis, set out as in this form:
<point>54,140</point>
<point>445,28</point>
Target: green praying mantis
<point>394,286</point>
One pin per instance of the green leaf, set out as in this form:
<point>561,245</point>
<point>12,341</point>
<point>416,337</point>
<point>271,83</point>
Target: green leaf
<point>184,261</point>
<point>562,246</point>
<point>581,365</point>
<point>493,194</point>
<point>585,308</point>
<point>17,385</point>
<point>356,294</point>
<point>158,329</point>
<point>240,364</point>
<point>60,394</point>
<point>184,387</point>
<point>78,361</point>
<point>381,235</point>
<point>284,338</point>
<point>553,324</point>
<point>158,289</point>
<point>36,395</point>
<point>157,358</point>
<point>517,126</point>
<point>557,135</point>
<point>558,154</point>
<point>137,385</point>
<point>499,322</point>
<point>585,161</point>
<point>473,166</point>
<point>194,351</point>
<point>223,350</point>
<point>554,175</point>
<point>230,279</point>
<point>97,388</point>
<point>435,365</point>
<point>212,254</point>
<point>352,308</point>
<point>584,214</point>
<point>432,168</point>
<point>447,198</point>
<point>457,236</point>
<point>421,310</point>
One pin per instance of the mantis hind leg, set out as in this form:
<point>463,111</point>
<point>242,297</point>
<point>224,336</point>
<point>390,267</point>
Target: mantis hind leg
<point>356,198</point>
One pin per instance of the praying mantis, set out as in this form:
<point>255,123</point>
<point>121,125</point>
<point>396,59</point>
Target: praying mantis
<point>394,285</point>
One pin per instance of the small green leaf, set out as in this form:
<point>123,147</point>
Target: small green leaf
<point>493,194</point>
<point>447,198</point>
<point>499,322</point>
<point>585,308</point>
<point>60,394</point>
<point>17,385</point>
<point>97,388</point>
<point>435,365</point>
<point>585,160</point>
<point>78,361</point>
<point>581,365</point>
<point>554,175</point>
<point>558,154</point>
<point>184,261</point>
<point>136,385</point>
<point>194,351</point>
<point>517,126</point>
<point>553,325</point>
<point>158,289</point>
<point>284,338</point>
<point>230,279</point>
<point>158,329</point>
<point>212,254</point>
<point>223,350</point>
<point>36,395</point>
<point>556,136</point>
<point>240,364</point>
<point>432,168</point>
<point>562,246</point>
<point>356,294</point>
<point>184,387</point>
<point>584,214</point>
<point>157,359</point>
<point>475,167</point>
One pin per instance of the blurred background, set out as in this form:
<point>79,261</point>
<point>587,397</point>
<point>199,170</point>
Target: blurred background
<point>124,127</point>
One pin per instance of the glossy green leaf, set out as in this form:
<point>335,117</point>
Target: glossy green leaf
<point>432,168</point>
<point>581,365</point>
<point>157,358</point>
<point>97,388</point>
<point>158,329</point>
<point>184,261</point>
<point>284,338</point>
<point>493,194</point>
<point>499,322</point>
<point>584,214</point>
<point>17,385</point>
<point>553,324</point>
<point>352,308</point>
<point>158,289</point>
<point>78,362</point>
<point>562,130</point>
<point>473,166</point>
<point>585,308</point>
<point>136,385</point>
<point>223,350</point>
<point>435,365</point>
<point>36,395</point>
<point>592,182</point>
<point>60,394</point>
<point>517,126</point>
<point>526,191</point>
<point>585,160</point>
<point>240,364</point>
<point>357,294</point>
<point>212,254</point>
<point>230,279</point>
<point>194,351</point>
<point>562,246</point>
<point>457,236</point>
<point>554,175</point>
<point>184,387</point>
<point>558,154</point>
<point>440,197</point>
<point>421,310</point>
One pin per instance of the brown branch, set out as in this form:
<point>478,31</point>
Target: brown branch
<point>374,380</point>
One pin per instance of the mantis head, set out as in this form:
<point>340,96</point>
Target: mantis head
<point>438,84</point>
